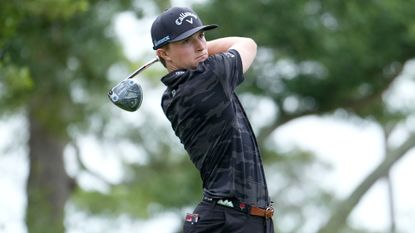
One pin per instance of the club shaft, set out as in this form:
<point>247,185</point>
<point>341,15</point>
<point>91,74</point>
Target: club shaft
<point>145,66</point>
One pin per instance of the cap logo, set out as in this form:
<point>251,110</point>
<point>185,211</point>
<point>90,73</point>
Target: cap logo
<point>159,42</point>
<point>183,16</point>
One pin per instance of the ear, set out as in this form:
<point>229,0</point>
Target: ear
<point>164,54</point>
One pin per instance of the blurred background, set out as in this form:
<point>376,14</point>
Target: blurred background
<point>330,96</point>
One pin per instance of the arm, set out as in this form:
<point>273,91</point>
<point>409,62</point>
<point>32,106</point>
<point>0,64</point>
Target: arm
<point>246,48</point>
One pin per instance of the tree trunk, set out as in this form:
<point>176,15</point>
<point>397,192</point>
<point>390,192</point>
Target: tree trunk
<point>48,186</point>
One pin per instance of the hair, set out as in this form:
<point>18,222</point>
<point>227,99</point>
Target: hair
<point>162,61</point>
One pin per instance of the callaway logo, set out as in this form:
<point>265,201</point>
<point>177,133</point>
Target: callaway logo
<point>225,203</point>
<point>183,16</point>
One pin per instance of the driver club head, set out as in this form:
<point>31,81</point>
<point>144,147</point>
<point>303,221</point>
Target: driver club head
<point>127,95</point>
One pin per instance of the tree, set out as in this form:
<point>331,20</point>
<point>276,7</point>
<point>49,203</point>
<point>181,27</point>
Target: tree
<point>49,51</point>
<point>342,55</point>
<point>54,62</point>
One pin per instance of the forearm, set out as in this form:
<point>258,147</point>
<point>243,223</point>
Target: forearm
<point>246,48</point>
<point>223,44</point>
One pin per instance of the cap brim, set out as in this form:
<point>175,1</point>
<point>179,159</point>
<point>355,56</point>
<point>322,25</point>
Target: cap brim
<point>193,31</point>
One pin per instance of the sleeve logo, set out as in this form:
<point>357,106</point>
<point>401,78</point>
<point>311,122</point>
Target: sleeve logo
<point>228,54</point>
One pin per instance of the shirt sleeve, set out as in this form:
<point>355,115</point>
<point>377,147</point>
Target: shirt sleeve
<point>228,68</point>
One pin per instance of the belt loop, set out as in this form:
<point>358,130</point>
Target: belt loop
<point>214,203</point>
<point>247,209</point>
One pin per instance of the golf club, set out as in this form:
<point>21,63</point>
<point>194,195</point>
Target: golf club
<point>128,94</point>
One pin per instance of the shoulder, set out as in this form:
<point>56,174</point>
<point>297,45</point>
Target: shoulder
<point>230,59</point>
<point>230,54</point>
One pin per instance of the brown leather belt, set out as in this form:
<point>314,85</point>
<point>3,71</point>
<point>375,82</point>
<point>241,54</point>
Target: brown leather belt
<point>235,204</point>
<point>266,213</point>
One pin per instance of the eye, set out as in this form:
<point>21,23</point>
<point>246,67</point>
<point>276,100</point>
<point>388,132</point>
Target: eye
<point>202,35</point>
<point>185,41</point>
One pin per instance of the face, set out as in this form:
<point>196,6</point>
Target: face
<point>185,54</point>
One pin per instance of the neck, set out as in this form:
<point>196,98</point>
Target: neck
<point>170,67</point>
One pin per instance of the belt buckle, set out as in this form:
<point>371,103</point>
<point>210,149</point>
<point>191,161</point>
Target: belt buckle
<point>269,212</point>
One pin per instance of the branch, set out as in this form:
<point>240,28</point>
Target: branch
<point>343,210</point>
<point>359,104</point>
<point>355,105</point>
<point>85,168</point>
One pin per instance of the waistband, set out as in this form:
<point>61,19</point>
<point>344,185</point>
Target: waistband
<point>233,203</point>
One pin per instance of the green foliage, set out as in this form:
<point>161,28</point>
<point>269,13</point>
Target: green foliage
<point>55,57</point>
<point>341,52</point>
<point>10,17</point>
<point>54,60</point>
<point>58,58</point>
<point>151,189</point>
<point>316,57</point>
<point>162,4</point>
<point>167,180</point>
<point>18,82</point>
<point>52,10</point>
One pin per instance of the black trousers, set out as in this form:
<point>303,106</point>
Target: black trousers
<point>209,217</point>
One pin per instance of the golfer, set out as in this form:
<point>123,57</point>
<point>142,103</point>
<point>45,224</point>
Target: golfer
<point>207,116</point>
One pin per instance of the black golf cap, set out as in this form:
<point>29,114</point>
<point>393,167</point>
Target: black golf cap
<point>174,24</point>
